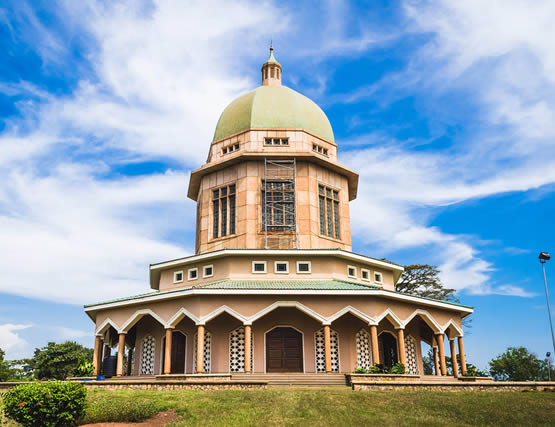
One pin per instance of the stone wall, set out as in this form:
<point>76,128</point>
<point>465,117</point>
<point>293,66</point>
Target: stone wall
<point>452,386</point>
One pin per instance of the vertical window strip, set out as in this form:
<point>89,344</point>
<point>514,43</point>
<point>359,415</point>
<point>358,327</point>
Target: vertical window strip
<point>322,216</point>
<point>336,218</point>
<point>224,216</point>
<point>216,204</point>
<point>232,214</point>
<point>328,216</point>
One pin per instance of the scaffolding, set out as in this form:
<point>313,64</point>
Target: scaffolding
<point>279,214</point>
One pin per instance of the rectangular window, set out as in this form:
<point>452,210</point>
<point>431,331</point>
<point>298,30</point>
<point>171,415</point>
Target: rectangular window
<point>216,208</point>
<point>193,274</point>
<point>177,276</point>
<point>208,271</point>
<point>259,267</point>
<point>319,149</point>
<point>224,215</point>
<point>303,267</point>
<point>230,149</point>
<point>275,142</point>
<point>378,277</point>
<point>352,271</point>
<point>329,212</point>
<point>281,267</point>
<point>364,274</point>
<point>223,209</point>
<point>278,201</point>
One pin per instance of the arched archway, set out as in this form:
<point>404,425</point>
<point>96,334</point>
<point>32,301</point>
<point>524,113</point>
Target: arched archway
<point>284,350</point>
<point>388,344</point>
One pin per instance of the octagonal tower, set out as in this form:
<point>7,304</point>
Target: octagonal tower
<point>272,179</point>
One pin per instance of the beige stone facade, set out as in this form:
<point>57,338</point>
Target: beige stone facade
<point>308,304</point>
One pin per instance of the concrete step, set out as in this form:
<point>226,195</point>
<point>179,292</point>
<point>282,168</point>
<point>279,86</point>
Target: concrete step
<point>294,379</point>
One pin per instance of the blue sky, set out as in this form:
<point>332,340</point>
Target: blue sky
<point>447,110</point>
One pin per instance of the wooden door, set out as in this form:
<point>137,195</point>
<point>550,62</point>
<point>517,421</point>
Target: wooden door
<point>178,353</point>
<point>179,345</point>
<point>284,350</point>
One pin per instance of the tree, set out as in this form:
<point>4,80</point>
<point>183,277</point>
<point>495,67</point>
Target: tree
<point>59,361</point>
<point>516,364</point>
<point>423,280</point>
<point>429,368</point>
<point>5,371</point>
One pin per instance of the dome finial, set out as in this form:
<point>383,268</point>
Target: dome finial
<point>271,70</point>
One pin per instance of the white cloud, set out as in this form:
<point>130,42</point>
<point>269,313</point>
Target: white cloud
<point>490,51</point>
<point>72,334</point>
<point>10,341</point>
<point>161,73</point>
<point>73,230</point>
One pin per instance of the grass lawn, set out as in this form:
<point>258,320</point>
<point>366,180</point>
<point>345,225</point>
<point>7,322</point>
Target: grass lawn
<point>325,406</point>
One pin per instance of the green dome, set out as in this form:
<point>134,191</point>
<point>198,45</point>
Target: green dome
<point>273,107</point>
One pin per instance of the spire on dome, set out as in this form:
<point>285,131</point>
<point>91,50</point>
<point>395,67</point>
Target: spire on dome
<point>271,70</point>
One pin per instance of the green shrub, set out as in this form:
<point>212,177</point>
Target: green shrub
<point>108,409</point>
<point>398,368</point>
<point>360,371</point>
<point>378,369</point>
<point>85,369</point>
<point>52,403</point>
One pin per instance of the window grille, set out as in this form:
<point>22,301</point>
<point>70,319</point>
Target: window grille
<point>223,209</point>
<point>279,219</point>
<point>329,212</point>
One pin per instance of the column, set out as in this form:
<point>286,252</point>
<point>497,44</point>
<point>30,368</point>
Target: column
<point>436,361</point>
<point>401,339</point>
<point>97,357</point>
<point>461,355</point>
<point>441,354</point>
<point>200,349</point>
<point>454,363</point>
<point>327,347</point>
<point>375,350</point>
<point>107,350</point>
<point>168,352</point>
<point>248,356</point>
<point>121,350</point>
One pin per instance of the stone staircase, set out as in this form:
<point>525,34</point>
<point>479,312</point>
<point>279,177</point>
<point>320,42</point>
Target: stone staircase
<point>293,379</point>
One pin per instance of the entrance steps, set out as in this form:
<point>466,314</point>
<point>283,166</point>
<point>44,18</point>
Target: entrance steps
<point>294,379</point>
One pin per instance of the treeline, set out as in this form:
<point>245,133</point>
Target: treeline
<point>515,364</point>
<point>54,361</point>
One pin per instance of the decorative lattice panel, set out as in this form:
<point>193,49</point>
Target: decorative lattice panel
<point>147,358</point>
<point>237,350</point>
<point>363,349</point>
<point>321,353</point>
<point>410,353</point>
<point>207,349</point>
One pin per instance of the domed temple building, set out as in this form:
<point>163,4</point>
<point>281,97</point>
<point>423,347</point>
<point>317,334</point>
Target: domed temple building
<point>274,285</point>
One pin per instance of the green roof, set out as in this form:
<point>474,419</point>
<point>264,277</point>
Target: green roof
<point>273,107</point>
<point>305,285</point>
<point>253,284</point>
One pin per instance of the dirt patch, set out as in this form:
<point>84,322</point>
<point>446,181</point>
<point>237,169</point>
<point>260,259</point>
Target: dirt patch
<point>160,419</point>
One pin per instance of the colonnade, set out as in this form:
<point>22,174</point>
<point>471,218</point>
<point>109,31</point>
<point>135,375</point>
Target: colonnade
<point>438,351</point>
